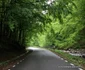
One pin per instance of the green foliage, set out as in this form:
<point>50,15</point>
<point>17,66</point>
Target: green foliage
<point>70,34</point>
<point>38,22</point>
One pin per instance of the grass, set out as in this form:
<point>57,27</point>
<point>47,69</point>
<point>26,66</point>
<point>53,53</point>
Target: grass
<point>78,61</point>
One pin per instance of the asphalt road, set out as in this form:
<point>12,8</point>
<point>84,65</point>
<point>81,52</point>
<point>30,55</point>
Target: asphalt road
<point>41,59</point>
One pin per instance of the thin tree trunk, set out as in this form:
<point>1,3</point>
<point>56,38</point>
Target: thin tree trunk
<point>20,35</point>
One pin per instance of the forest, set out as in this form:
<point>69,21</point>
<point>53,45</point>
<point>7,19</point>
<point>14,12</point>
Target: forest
<point>42,23</point>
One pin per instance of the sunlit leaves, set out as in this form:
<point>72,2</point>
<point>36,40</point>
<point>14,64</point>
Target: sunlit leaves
<point>29,18</point>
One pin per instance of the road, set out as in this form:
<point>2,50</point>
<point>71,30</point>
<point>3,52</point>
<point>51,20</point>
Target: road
<point>42,59</point>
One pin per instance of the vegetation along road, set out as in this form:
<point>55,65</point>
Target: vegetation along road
<point>54,24</point>
<point>42,59</point>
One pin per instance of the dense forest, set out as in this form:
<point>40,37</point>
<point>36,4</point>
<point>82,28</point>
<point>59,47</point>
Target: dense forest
<point>44,23</point>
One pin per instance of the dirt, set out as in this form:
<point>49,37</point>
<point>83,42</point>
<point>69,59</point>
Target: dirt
<point>83,66</point>
<point>12,61</point>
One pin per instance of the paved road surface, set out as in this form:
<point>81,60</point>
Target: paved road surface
<point>41,59</point>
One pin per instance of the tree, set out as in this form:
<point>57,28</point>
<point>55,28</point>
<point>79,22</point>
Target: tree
<point>22,19</point>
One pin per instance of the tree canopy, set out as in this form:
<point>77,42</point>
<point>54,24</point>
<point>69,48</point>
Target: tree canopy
<point>46,22</point>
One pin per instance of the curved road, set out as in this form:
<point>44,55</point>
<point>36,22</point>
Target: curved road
<point>42,59</point>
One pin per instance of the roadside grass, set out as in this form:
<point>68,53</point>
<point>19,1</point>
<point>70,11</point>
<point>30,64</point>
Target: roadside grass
<point>76,60</point>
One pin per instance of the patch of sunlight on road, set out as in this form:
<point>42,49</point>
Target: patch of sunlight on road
<point>34,48</point>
